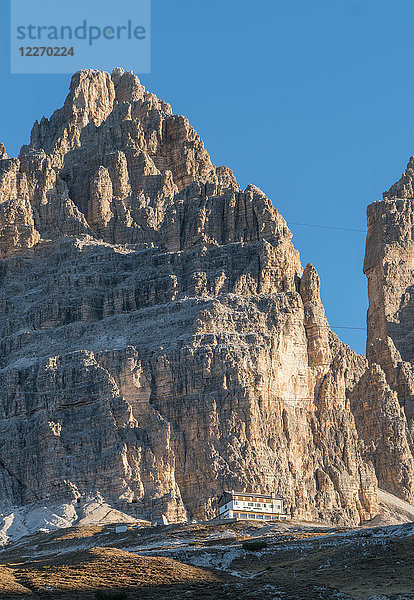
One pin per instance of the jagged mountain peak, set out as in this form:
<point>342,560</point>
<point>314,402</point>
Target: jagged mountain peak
<point>160,340</point>
<point>403,188</point>
<point>3,153</point>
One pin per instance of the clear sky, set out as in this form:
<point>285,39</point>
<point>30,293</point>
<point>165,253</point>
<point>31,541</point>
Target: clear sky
<point>311,101</point>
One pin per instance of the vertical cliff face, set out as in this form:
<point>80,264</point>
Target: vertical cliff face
<point>160,340</point>
<point>389,267</point>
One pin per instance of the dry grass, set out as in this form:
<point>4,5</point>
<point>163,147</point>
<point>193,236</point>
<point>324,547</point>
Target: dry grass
<point>359,569</point>
<point>72,533</point>
<point>9,584</point>
<point>83,573</point>
<point>74,564</point>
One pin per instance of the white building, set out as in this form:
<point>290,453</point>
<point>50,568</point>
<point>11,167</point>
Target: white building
<point>245,505</point>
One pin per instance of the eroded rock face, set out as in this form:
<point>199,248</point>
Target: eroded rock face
<point>160,340</point>
<point>3,153</point>
<point>389,267</point>
<point>17,228</point>
<point>384,432</point>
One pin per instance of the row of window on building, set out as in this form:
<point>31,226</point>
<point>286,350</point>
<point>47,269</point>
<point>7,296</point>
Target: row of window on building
<point>256,505</point>
<point>237,515</point>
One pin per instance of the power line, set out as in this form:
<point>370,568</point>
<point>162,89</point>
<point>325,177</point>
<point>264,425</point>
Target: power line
<point>328,227</point>
<point>346,327</point>
<point>327,326</point>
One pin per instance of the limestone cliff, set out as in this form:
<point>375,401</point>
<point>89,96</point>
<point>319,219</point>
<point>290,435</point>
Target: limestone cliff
<point>160,340</point>
<point>389,390</point>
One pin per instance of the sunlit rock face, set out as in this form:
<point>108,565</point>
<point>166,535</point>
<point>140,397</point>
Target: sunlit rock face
<point>160,340</point>
<point>389,390</point>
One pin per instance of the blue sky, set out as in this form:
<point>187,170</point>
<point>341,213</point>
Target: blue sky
<point>311,101</point>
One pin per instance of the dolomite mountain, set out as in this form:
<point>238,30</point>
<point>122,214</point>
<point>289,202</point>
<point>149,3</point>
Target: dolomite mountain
<point>161,341</point>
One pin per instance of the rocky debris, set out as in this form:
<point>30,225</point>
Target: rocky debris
<point>17,522</point>
<point>160,340</point>
<point>393,511</point>
<point>287,560</point>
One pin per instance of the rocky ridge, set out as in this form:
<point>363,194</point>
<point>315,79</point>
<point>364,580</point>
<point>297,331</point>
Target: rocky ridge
<point>390,334</point>
<point>160,340</point>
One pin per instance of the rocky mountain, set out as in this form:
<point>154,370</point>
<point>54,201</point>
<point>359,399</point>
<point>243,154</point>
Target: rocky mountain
<point>389,267</point>
<point>160,340</point>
